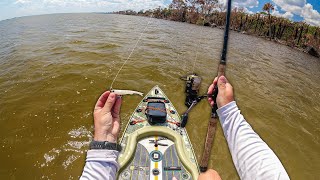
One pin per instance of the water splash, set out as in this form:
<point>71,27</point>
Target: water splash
<point>70,151</point>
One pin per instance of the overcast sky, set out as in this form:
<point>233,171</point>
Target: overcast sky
<point>297,10</point>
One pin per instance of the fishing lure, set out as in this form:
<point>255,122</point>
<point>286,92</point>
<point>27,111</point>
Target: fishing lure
<point>126,92</point>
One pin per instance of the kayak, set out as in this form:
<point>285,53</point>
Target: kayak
<point>154,146</point>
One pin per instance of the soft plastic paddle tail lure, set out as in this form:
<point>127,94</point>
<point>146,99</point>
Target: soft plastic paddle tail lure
<point>126,92</point>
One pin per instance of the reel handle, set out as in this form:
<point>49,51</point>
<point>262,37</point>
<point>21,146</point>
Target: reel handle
<point>184,121</point>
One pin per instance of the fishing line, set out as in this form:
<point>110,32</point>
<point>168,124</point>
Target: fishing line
<point>195,59</point>
<point>131,51</point>
<point>162,37</point>
<point>179,53</point>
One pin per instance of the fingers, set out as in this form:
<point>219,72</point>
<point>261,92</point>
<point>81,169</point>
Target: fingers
<point>210,91</point>
<point>109,103</point>
<point>102,100</point>
<point>215,81</point>
<point>209,174</point>
<point>116,107</point>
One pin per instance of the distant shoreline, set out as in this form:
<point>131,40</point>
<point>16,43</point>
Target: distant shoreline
<point>297,35</point>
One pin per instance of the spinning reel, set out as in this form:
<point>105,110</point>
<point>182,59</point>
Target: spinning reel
<point>193,82</point>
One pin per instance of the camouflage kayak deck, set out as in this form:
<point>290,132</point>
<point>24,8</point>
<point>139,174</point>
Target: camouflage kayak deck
<point>156,151</point>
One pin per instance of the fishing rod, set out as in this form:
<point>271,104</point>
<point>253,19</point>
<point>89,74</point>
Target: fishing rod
<point>214,116</point>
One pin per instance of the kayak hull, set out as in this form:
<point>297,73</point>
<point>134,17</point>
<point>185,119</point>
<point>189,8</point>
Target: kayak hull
<point>156,151</point>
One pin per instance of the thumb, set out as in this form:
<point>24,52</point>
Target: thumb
<point>222,81</point>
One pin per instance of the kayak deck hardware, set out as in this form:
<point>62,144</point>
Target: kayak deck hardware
<point>156,112</point>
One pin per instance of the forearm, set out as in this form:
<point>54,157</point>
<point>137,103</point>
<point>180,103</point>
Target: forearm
<point>100,164</point>
<point>252,157</point>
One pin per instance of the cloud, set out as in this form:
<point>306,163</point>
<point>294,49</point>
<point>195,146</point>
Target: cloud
<point>248,11</point>
<point>277,13</point>
<point>241,3</point>
<point>246,3</point>
<point>33,7</point>
<point>300,8</point>
<point>293,6</point>
<point>287,15</point>
<point>310,15</point>
<point>17,8</point>
<point>99,4</point>
<point>23,1</point>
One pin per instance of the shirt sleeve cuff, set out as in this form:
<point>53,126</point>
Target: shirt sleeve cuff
<point>226,109</point>
<point>101,155</point>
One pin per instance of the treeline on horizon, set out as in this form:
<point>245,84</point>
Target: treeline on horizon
<point>264,24</point>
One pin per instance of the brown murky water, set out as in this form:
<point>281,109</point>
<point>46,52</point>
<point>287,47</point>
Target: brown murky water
<point>53,68</point>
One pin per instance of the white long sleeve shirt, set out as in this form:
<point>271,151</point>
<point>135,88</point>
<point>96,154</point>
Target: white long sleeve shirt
<point>251,156</point>
<point>100,165</point>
